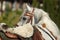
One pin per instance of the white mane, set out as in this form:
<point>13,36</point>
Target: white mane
<point>25,31</point>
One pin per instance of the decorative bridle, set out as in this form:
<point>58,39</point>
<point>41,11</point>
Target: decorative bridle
<point>30,15</point>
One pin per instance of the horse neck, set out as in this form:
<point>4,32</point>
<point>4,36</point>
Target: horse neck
<point>37,15</point>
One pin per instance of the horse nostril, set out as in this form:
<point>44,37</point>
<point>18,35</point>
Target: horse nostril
<point>5,26</point>
<point>24,18</point>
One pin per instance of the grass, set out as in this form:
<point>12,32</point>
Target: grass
<point>11,17</point>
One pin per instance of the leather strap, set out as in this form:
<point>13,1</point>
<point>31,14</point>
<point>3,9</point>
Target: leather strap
<point>30,15</point>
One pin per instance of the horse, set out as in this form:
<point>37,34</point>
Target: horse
<point>42,31</point>
<point>40,17</point>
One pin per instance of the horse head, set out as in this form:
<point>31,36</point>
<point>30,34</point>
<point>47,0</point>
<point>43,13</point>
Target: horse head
<point>27,15</point>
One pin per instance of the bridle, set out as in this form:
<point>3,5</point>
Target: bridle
<point>30,15</point>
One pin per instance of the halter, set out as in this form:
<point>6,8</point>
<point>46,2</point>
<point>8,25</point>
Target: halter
<point>30,15</point>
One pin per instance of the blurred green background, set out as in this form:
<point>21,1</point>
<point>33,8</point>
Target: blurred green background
<point>50,6</point>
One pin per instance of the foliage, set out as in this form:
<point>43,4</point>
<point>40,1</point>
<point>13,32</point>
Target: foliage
<point>10,17</point>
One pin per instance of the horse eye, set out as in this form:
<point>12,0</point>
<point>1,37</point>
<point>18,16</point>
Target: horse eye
<point>24,18</point>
